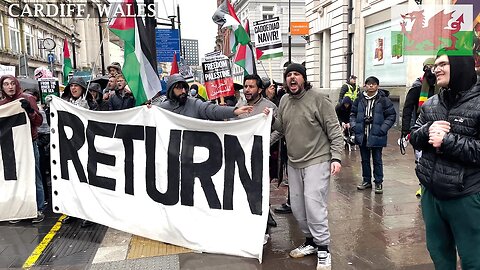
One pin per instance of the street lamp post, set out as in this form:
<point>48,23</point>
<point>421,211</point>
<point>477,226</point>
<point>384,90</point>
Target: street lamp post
<point>172,20</point>
<point>289,33</point>
<point>73,51</point>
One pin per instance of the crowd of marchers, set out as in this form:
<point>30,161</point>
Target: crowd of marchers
<point>441,119</point>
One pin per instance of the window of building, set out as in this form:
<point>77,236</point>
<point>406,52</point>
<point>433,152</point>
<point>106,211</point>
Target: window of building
<point>40,37</point>
<point>268,12</point>
<point>2,40</point>
<point>29,40</point>
<point>14,28</point>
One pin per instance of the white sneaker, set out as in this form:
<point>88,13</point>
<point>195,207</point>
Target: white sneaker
<point>324,260</point>
<point>303,251</point>
<point>15,221</point>
<point>265,238</point>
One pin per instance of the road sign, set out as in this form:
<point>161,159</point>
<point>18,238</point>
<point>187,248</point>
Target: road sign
<point>167,42</point>
<point>299,28</point>
<point>51,58</point>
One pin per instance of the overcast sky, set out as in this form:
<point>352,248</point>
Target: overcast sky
<point>196,21</point>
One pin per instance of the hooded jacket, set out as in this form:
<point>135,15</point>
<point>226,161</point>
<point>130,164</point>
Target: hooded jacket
<point>85,100</point>
<point>36,118</point>
<point>453,170</point>
<point>343,113</point>
<point>98,104</point>
<point>193,107</point>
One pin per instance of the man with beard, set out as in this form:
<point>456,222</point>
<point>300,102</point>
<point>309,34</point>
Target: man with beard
<point>111,87</point>
<point>308,121</point>
<point>179,102</point>
<point>252,89</point>
<point>448,133</point>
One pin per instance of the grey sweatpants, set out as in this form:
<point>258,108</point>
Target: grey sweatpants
<point>308,194</point>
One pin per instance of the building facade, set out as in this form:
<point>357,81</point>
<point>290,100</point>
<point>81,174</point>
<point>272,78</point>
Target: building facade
<point>355,37</point>
<point>256,10</point>
<point>190,51</point>
<point>21,37</point>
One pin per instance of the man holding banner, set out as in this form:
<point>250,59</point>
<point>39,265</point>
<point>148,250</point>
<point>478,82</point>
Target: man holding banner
<point>11,91</point>
<point>179,102</point>
<point>307,119</point>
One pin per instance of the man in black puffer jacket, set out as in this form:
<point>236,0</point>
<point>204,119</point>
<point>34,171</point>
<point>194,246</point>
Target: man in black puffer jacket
<point>448,133</point>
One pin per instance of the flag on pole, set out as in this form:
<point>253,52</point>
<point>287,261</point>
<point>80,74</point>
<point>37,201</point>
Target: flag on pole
<point>225,16</point>
<point>174,69</point>
<point>245,57</point>
<point>139,72</point>
<point>67,62</point>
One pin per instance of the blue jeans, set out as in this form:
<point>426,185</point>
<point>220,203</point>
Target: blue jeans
<point>376,153</point>
<point>38,179</point>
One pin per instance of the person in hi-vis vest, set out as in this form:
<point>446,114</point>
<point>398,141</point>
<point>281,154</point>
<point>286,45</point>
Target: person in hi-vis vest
<point>349,89</point>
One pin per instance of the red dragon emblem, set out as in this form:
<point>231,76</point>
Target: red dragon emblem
<point>432,35</point>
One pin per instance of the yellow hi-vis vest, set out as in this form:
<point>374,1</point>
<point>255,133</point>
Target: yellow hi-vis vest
<point>351,93</point>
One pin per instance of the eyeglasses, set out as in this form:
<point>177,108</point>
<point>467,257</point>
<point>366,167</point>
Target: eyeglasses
<point>7,83</point>
<point>440,66</point>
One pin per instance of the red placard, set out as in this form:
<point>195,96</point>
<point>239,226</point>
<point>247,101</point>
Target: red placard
<point>218,78</point>
<point>220,88</point>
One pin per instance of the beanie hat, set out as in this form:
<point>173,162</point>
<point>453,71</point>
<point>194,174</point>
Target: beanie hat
<point>296,67</point>
<point>429,61</point>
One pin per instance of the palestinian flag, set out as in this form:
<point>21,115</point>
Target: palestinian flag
<point>225,16</point>
<point>139,72</point>
<point>245,57</point>
<point>67,62</point>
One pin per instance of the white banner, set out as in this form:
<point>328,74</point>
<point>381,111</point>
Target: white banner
<point>17,164</point>
<point>199,184</point>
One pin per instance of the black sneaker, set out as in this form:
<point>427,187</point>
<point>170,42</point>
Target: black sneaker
<point>283,209</point>
<point>86,223</point>
<point>40,217</point>
<point>364,185</point>
<point>68,220</point>
<point>378,188</point>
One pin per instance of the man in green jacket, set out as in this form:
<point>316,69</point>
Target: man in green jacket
<point>315,143</point>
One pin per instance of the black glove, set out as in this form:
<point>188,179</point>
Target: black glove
<point>404,134</point>
<point>26,106</point>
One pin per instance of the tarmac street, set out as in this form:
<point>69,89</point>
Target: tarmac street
<point>368,231</point>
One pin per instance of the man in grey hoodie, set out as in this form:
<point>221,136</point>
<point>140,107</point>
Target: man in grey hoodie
<point>179,102</point>
<point>315,142</point>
